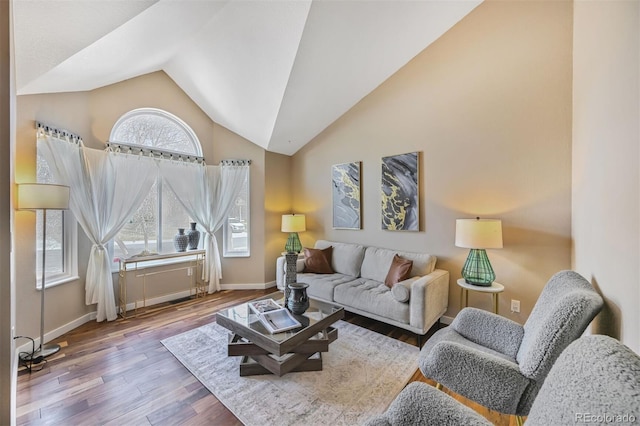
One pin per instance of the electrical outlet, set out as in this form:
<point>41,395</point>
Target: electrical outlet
<point>515,305</point>
<point>189,272</point>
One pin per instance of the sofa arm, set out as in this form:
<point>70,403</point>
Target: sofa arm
<point>484,378</point>
<point>280,269</point>
<point>489,330</point>
<point>429,299</point>
<point>422,404</point>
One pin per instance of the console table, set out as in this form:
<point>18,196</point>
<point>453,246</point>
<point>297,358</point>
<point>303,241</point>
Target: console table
<point>140,265</point>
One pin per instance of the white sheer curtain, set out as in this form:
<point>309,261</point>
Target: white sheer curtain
<point>106,189</point>
<point>207,193</point>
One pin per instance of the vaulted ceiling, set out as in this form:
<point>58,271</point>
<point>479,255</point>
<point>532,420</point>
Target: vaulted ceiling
<point>275,72</point>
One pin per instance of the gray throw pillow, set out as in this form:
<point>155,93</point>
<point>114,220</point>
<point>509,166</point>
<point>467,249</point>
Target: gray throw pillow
<point>400,293</point>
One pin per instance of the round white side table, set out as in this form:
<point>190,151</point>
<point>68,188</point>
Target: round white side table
<point>494,289</point>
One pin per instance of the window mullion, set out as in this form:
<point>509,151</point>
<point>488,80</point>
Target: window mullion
<point>159,215</point>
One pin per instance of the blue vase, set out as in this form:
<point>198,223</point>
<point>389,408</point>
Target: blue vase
<point>181,240</point>
<point>194,236</point>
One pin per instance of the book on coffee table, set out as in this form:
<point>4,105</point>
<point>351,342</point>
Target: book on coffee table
<point>274,317</point>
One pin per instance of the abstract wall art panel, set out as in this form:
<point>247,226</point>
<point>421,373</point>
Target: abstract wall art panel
<point>345,180</point>
<point>400,192</point>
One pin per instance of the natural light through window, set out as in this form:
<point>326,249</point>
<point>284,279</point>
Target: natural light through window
<point>236,232</point>
<point>61,245</point>
<point>154,225</point>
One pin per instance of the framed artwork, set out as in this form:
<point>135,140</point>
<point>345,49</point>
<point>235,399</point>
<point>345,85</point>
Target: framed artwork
<point>400,193</point>
<point>345,181</point>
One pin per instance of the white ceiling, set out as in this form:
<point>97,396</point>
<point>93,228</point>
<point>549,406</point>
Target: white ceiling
<point>274,72</point>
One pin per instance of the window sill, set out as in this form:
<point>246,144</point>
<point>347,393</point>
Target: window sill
<point>243,254</point>
<point>57,282</point>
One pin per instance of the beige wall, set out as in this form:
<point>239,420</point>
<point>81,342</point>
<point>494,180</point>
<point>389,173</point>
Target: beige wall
<point>91,115</point>
<point>67,111</point>
<point>488,105</point>
<point>7,297</point>
<point>277,201</point>
<point>606,140</point>
<point>243,270</point>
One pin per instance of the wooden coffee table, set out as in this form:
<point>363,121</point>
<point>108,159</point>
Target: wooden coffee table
<point>295,350</point>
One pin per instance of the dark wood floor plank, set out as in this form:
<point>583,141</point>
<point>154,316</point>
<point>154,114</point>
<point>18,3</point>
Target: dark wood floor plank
<point>119,373</point>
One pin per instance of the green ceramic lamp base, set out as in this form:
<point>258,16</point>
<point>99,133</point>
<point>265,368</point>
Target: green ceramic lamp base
<point>293,244</point>
<point>477,270</point>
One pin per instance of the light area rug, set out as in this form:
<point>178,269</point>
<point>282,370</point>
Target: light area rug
<point>362,373</point>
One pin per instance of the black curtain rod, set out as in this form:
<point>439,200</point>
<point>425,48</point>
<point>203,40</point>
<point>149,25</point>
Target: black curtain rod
<point>235,162</point>
<point>137,149</point>
<point>58,132</point>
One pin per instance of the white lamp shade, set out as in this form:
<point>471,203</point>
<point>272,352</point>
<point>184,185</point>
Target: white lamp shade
<point>479,233</point>
<point>41,196</point>
<point>293,223</point>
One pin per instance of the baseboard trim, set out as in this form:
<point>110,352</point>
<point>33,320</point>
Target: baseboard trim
<point>446,320</point>
<point>54,334</point>
<point>249,286</point>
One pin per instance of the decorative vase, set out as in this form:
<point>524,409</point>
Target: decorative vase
<point>181,240</point>
<point>194,236</point>
<point>298,301</point>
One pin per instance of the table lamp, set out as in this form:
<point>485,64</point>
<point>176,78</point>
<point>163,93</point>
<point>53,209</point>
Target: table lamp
<point>293,223</point>
<point>40,196</point>
<point>478,234</point>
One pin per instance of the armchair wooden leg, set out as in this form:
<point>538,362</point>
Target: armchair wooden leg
<point>439,386</point>
<point>519,421</point>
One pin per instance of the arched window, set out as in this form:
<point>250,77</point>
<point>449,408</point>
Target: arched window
<point>158,219</point>
<point>155,128</point>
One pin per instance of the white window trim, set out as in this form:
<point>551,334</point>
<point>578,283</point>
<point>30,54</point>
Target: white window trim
<point>165,114</point>
<point>70,257</point>
<point>225,228</point>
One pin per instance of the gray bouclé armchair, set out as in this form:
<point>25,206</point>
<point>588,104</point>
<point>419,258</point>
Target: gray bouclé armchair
<point>596,380</point>
<point>501,364</point>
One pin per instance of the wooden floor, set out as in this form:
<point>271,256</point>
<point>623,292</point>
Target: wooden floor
<point>118,373</point>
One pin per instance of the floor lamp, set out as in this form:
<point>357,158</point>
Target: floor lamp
<point>40,196</point>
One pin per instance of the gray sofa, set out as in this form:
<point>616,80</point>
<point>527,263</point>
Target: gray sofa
<point>358,285</point>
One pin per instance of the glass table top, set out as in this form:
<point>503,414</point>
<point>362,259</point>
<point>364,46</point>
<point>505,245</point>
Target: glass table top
<point>244,316</point>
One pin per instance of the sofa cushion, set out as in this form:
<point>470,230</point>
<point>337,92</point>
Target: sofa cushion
<point>321,286</point>
<point>318,261</point>
<point>371,296</point>
<point>398,271</point>
<point>347,258</point>
<point>377,261</point>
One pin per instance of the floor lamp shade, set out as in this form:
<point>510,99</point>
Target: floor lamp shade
<point>478,235</point>
<point>293,223</point>
<point>41,196</point>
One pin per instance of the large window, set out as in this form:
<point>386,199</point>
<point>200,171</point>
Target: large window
<point>236,231</point>
<point>154,225</point>
<point>62,239</point>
